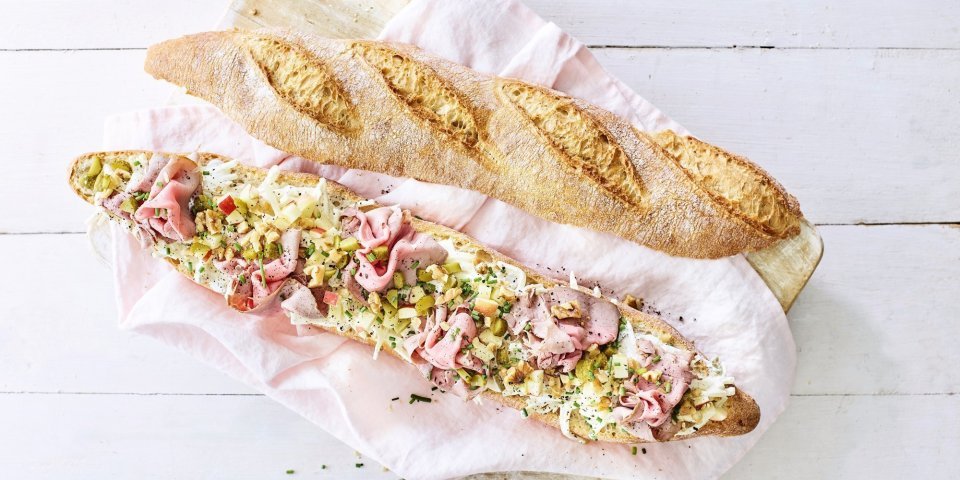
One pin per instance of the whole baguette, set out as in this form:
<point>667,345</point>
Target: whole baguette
<point>743,412</point>
<point>395,109</point>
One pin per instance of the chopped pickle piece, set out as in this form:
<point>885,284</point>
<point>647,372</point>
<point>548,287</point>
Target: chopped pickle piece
<point>199,248</point>
<point>452,267</point>
<point>241,206</point>
<point>499,327</point>
<point>129,205</point>
<point>392,297</point>
<point>104,183</point>
<point>120,165</point>
<point>381,252</point>
<point>424,276</point>
<point>96,166</point>
<point>349,245</point>
<point>249,254</point>
<point>328,274</point>
<point>389,310</point>
<point>271,250</point>
<point>398,279</point>
<point>424,304</point>
<point>87,181</point>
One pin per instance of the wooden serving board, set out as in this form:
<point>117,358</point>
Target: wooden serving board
<point>785,266</point>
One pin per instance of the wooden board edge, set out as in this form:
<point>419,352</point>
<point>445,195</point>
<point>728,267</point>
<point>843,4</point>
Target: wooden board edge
<point>329,18</point>
<point>787,266</point>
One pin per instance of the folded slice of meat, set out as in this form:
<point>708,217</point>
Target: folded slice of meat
<point>372,229</point>
<point>649,405</point>
<point>444,348</point>
<point>301,301</point>
<point>254,285</point>
<point>560,342</point>
<point>167,209</point>
<point>390,227</point>
<point>143,232</point>
<point>600,319</point>
<point>156,164</point>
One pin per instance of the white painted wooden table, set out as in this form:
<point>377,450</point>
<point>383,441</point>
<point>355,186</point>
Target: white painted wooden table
<point>854,107</point>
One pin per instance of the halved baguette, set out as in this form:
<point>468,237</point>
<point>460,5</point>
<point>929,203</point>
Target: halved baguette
<point>395,109</point>
<point>743,412</point>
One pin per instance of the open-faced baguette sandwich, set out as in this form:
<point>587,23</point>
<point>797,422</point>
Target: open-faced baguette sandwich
<point>395,109</point>
<point>473,321</point>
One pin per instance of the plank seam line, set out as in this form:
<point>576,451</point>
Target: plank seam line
<point>597,47</point>
<point>187,394</point>
<point>132,394</point>
<point>759,47</point>
<point>884,224</point>
<point>82,49</point>
<point>920,394</point>
<point>856,224</point>
<point>64,232</point>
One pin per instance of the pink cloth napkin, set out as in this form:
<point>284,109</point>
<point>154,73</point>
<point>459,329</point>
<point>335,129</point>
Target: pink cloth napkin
<point>721,304</point>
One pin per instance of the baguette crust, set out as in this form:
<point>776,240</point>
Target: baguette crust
<point>743,412</point>
<point>415,115</point>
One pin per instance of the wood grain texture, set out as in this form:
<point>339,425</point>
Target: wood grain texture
<point>787,266</point>
<point>859,437</point>
<point>74,345</point>
<point>335,18</point>
<point>241,437</point>
<point>814,24</point>
<point>811,24</point>
<point>880,314</point>
<point>107,24</point>
<point>167,437</point>
<point>61,119</point>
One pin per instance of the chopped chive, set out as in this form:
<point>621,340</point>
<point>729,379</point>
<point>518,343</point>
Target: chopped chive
<point>263,272</point>
<point>417,398</point>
